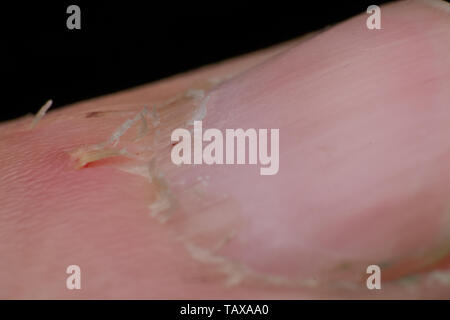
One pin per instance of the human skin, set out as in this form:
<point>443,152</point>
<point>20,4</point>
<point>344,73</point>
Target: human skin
<point>364,177</point>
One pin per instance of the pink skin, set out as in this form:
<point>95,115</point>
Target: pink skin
<point>364,152</point>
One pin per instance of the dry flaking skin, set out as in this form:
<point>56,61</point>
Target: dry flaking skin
<point>148,155</point>
<point>41,113</point>
<point>183,207</point>
<point>164,204</point>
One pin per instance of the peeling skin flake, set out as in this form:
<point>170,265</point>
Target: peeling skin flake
<point>157,208</point>
<point>138,170</point>
<point>160,208</point>
<point>154,117</point>
<point>41,113</point>
<point>238,273</point>
<point>115,137</point>
<point>235,273</point>
<point>199,112</point>
<point>87,156</point>
<point>143,128</point>
<point>101,151</point>
<point>195,93</point>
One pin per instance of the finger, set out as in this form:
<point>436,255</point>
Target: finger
<point>78,185</point>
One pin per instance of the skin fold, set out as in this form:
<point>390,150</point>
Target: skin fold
<point>364,176</point>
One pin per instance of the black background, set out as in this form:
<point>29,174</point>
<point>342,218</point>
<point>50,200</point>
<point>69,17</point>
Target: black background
<point>292,309</point>
<point>123,44</point>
